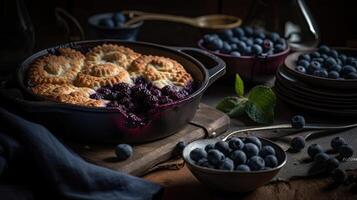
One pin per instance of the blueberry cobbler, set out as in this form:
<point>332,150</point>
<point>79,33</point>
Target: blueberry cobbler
<point>111,76</point>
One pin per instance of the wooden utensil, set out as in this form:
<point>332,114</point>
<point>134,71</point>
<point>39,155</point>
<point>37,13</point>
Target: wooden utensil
<point>218,22</point>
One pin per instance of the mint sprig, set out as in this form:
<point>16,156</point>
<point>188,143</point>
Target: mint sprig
<point>258,105</point>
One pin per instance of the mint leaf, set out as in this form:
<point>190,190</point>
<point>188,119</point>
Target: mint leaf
<point>227,104</point>
<point>260,107</point>
<point>239,86</point>
<point>259,115</point>
<point>239,109</point>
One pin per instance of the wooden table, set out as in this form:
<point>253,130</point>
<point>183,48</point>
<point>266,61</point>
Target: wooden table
<point>181,184</point>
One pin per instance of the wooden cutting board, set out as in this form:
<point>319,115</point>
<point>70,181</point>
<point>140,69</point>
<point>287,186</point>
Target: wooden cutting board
<point>208,122</point>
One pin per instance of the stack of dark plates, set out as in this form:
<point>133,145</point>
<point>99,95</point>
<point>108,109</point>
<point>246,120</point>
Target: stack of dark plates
<point>320,95</point>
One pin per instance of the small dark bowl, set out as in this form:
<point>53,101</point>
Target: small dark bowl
<point>232,181</point>
<point>345,84</point>
<point>123,33</point>
<point>250,68</point>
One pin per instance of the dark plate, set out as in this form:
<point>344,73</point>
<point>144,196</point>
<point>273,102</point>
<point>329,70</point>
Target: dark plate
<point>346,84</point>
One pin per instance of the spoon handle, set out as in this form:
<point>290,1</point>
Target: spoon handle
<point>162,17</point>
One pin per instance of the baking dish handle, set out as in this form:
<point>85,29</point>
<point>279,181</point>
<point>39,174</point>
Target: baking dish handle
<point>215,66</point>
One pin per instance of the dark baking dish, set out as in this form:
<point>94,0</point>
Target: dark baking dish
<point>107,125</point>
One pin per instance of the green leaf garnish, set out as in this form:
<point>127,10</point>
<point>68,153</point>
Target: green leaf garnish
<point>227,104</point>
<point>239,86</point>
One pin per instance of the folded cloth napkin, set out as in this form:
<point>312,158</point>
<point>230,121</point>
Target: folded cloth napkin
<point>33,160</point>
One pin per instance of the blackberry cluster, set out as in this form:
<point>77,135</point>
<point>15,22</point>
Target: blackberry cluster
<point>239,154</point>
<point>327,63</point>
<point>138,100</point>
<point>246,41</point>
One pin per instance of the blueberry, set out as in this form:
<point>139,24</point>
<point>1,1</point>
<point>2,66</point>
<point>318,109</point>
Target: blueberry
<point>222,147</point>
<point>250,149</point>
<point>106,23</point>
<point>254,140</point>
<point>267,150</point>
<point>238,157</point>
<point>337,142</point>
<point>315,54</point>
<point>226,48</point>
<point>273,36</point>
<point>203,162</point>
<point>233,47</point>
<point>349,60</point>
<point>324,56</point>
<point>267,45</point>
<point>238,32</point>
<point>215,157</point>
<point>314,149</point>
<point>331,164</point>
<point>257,49</point>
<point>303,63</point>
<point>236,143</point>
<point>351,75</point>
<point>213,44</point>
<point>227,165</point>
<point>227,34</point>
<point>249,42</point>
<point>248,31</point>
<point>279,48</point>
<point>354,63</point>
<point>304,57</point>
<point>243,168</point>
<point>343,57</point>
<point>339,175</point>
<point>333,53</point>
<point>298,121</point>
<point>233,40</point>
<point>298,143</point>
<point>259,34</point>
<point>241,46</point>
<point>324,49</point>
<point>123,151</point>
<point>314,65</point>
<point>333,75</point>
<point>271,161</point>
<point>248,51</point>
<point>345,151</point>
<point>258,41</point>
<point>329,62</point>
<point>321,73</point>
<point>347,69</point>
<point>319,60</point>
<point>300,68</point>
<point>198,154</point>
<point>235,53</point>
<point>208,147</point>
<point>256,163</point>
<point>118,18</point>
<point>321,157</point>
<point>180,146</point>
<point>336,68</point>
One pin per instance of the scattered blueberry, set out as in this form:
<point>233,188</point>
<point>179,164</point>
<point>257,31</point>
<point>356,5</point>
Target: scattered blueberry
<point>331,164</point>
<point>180,146</point>
<point>198,154</point>
<point>243,168</point>
<point>236,143</point>
<point>339,175</point>
<point>222,147</point>
<point>215,157</point>
<point>321,157</point>
<point>271,161</point>
<point>250,149</point>
<point>238,157</point>
<point>266,151</point>
<point>123,151</point>
<point>298,143</point>
<point>345,151</point>
<point>337,142</point>
<point>254,140</point>
<point>298,121</point>
<point>314,149</point>
<point>256,163</point>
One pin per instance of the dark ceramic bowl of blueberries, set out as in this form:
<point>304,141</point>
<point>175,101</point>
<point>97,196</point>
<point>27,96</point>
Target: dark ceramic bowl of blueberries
<point>240,164</point>
<point>253,53</point>
<point>111,26</point>
<point>325,67</point>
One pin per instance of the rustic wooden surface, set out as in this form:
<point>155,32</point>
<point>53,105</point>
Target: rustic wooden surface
<point>146,156</point>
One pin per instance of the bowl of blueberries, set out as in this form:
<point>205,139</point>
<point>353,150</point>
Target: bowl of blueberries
<point>112,26</point>
<point>251,52</point>
<point>325,67</point>
<point>240,164</point>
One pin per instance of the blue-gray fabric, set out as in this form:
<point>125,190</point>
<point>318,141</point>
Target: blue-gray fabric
<point>42,167</point>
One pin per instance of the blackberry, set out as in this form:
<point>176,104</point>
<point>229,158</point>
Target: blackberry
<point>122,88</point>
<point>134,121</point>
<point>113,104</point>
<point>140,81</point>
<point>104,91</point>
<point>151,101</point>
<point>155,91</point>
<point>112,96</point>
<point>164,100</point>
<point>96,96</point>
